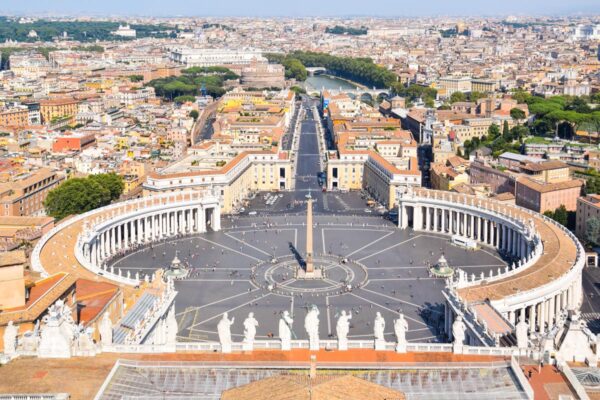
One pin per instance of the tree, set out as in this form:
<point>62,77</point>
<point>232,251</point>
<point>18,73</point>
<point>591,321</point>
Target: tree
<point>560,215</point>
<point>79,195</point>
<point>457,97</point>
<point>592,230</point>
<point>294,69</point>
<point>111,181</point>
<point>474,96</point>
<point>517,114</point>
<point>506,132</point>
<point>493,132</point>
<point>194,114</point>
<point>136,78</point>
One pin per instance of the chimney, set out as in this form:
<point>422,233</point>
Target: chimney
<point>313,367</point>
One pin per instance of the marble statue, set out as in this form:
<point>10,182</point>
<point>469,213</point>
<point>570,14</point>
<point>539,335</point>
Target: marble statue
<point>378,331</point>
<point>105,328</point>
<point>400,329</point>
<point>57,332</point>
<point>342,328</point>
<point>84,343</point>
<point>458,333</point>
<point>311,324</point>
<point>521,333</point>
<point>224,330</point>
<point>250,325</point>
<point>10,338</point>
<point>285,330</point>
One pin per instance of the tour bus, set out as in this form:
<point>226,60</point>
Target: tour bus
<point>464,242</point>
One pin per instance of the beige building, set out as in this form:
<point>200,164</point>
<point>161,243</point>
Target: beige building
<point>12,279</point>
<point>233,174</point>
<point>587,207</point>
<point>542,197</point>
<point>25,195</point>
<point>451,84</point>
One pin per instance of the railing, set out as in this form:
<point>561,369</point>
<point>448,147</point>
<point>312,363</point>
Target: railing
<point>37,396</point>
<point>129,205</point>
<point>487,207</point>
<point>574,382</point>
<point>516,368</point>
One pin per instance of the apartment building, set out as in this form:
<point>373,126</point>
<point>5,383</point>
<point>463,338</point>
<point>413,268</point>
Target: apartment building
<point>541,196</point>
<point>58,108</point>
<point>231,174</point>
<point>25,194</point>
<point>588,207</point>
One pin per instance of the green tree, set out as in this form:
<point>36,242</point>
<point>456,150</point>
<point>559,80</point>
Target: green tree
<point>76,196</point>
<point>295,69</point>
<point>457,97</point>
<point>136,78</point>
<point>474,96</point>
<point>194,114</point>
<point>111,181</point>
<point>560,215</point>
<point>517,114</point>
<point>592,230</point>
<point>506,132</point>
<point>493,132</point>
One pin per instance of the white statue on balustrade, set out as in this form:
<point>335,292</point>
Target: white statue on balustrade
<point>250,325</point>
<point>400,329</point>
<point>521,333</point>
<point>285,330</point>
<point>342,328</point>
<point>105,329</point>
<point>458,334</point>
<point>224,330</point>
<point>83,340</point>
<point>58,332</point>
<point>311,324</point>
<point>10,338</point>
<point>379,331</point>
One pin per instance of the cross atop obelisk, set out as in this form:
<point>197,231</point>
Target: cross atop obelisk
<point>310,268</point>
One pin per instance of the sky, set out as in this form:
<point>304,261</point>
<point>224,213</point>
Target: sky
<point>301,8</point>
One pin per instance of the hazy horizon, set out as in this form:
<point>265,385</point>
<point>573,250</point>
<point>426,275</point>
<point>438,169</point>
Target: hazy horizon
<point>306,8</point>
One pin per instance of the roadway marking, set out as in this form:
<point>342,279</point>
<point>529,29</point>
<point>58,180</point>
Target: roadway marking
<point>247,244</point>
<point>369,244</point>
<point>388,309</point>
<point>230,249</point>
<point>390,247</point>
<point>395,299</point>
<point>231,309</point>
<point>224,299</point>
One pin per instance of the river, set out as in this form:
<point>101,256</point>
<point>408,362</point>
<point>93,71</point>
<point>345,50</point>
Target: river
<point>316,83</point>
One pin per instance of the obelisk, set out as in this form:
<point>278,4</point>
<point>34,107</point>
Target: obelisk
<point>310,268</point>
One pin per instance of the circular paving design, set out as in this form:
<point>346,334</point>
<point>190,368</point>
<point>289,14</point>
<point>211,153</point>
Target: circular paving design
<point>339,275</point>
<point>249,266</point>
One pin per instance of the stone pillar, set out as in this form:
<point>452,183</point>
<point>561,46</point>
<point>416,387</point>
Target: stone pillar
<point>190,224</point>
<point>426,218</point>
<point>444,222</point>
<point>551,312</point>
<point>126,234</point>
<point>532,318</point>
<point>542,315</point>
<point>216,222</point>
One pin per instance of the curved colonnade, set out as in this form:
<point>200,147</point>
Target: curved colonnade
<point>542,283</point>
<point>101,234</point>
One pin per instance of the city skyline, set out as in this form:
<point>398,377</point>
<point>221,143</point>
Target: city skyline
<point>309,8</point>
